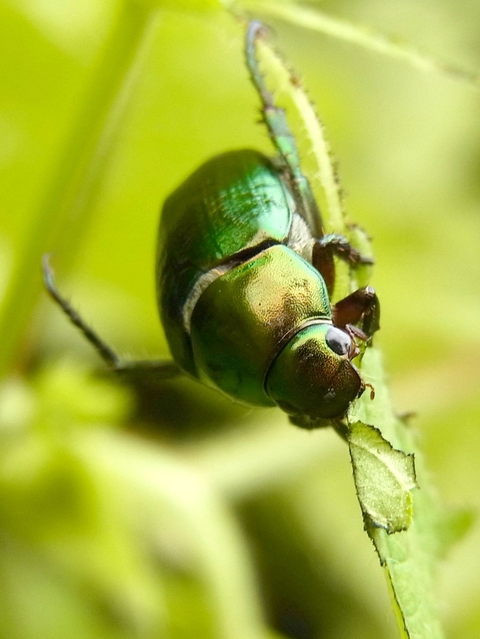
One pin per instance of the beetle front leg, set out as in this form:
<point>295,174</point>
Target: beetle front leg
<point>161,369</point>
<point>361,305</point>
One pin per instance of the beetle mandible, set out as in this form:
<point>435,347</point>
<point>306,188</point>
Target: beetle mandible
<point>244,275</point>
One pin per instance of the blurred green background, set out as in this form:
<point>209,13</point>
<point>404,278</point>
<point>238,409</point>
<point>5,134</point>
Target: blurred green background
<point>171,512</point>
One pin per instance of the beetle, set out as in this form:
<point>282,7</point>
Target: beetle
<point>244,275</point>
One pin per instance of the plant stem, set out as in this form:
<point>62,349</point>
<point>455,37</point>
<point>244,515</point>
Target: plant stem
<point>63,211</point>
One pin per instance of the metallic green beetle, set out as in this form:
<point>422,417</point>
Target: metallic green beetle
<point>244,276</point>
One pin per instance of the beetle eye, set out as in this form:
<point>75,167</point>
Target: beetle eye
<point>338,340</point>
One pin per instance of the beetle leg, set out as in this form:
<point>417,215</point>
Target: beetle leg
<point>322,260</point>
<point>362,305</point>
<point>281,134</point>
<point>356,332</point>
<point>328,246</point>
<point>155,369</point>
<point>161,369</point>
<point>339,245</point>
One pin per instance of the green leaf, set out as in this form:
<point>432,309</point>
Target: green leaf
<point>383,478</point>
<point>410,557</point>
<point>384,475</point>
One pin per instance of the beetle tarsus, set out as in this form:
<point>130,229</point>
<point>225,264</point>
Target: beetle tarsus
<point>105,352</point>
<point>255,30</point>
<point>341,247</point>
<point>372,390</point>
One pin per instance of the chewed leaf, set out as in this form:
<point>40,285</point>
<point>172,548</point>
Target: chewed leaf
<point>367,38</point>
<point>383,478</point>
<point>410,558</point>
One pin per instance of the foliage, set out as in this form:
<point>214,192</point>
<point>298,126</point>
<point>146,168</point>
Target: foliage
<point>177,514</point>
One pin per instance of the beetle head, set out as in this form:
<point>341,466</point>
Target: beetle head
<point>313,375</point>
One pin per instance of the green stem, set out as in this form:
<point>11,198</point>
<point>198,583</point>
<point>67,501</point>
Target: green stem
<point>63,211</point>
<point>383,479</point>
<point>316,20</point>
